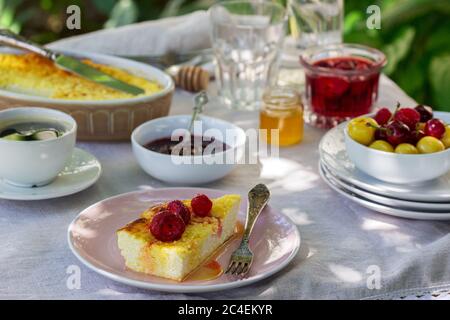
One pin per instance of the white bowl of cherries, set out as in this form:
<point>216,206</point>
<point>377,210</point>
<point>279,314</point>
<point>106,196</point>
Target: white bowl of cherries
<point>410,145</point>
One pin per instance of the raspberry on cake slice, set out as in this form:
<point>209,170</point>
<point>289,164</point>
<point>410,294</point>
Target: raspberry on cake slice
<point>171,240</point>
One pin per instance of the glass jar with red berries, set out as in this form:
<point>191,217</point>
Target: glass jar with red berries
<point>341,82</point>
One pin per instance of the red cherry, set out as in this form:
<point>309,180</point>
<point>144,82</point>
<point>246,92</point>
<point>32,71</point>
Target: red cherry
<point>332,87</point>
<point>178,207</point>
<point>325,63</point>
<point>352,64</point>
<point>381,133</point>
<point>397,133</point>
<point>435,128</point>
<point>383,116</point>
<point>408,116</point>
<point>345,65</point>
<point>416,135</point>
<point>166,226</point>
<point>426,112</point>
<point>201,205</point>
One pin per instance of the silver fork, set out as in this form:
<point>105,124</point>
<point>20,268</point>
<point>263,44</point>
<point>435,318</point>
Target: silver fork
<point>242,258</point>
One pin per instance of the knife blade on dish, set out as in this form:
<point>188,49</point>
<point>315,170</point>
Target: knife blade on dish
<point>67,63</point>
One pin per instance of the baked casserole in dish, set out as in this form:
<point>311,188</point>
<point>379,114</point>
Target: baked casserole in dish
<point>102,113</point>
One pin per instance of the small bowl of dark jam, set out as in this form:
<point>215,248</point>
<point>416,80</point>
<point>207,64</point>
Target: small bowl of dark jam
<point>341,82</point>
<point>188,145</point>
<point>166,150</point>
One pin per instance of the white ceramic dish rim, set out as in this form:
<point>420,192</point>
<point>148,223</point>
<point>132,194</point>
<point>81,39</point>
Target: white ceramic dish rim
<point>188,288</point>
<point>406,204</point>
<point>81,187</point>
<point>145,70</point>
<point>240,143</point>
<point>393,154</point>
<point>380,208</point>
<point>72,121</point>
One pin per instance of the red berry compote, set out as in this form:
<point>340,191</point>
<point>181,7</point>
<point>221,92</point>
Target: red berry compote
<point>341,82</point>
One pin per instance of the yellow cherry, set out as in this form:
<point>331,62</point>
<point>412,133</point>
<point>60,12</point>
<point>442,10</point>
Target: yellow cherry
<point>382,146</point>
<point>430,145</point>
<point>446,138</point>
<point>406,148</point>
<point>362,130</point>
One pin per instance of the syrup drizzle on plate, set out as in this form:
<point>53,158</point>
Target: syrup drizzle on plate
<point>212,269</point>
<point>208,271</point>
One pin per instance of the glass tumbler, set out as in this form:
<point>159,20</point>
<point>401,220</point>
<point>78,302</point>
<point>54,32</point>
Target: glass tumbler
<point>315,22</point>
<point>246,38</point>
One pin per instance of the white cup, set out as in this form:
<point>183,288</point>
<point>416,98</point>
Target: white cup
<point>36,163</point>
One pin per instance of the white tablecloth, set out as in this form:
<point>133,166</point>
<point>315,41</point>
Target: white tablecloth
<point>341,241</point>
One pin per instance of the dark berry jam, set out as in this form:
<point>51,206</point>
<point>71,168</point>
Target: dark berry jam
<point>197,145</point>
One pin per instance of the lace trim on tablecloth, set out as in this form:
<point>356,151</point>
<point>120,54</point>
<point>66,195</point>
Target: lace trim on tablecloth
<point>439,292</point>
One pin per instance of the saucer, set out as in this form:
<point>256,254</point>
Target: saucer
<point>82,171</point>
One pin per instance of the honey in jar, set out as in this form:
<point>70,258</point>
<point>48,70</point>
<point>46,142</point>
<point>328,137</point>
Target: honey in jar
<point>282,109</point>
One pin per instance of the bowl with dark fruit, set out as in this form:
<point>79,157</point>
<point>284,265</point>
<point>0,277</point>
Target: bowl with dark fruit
<point>166,149</point>
<point>408,145</point>
<point>341,82</point>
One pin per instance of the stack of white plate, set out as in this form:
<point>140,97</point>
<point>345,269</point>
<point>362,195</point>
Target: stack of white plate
<point>429,200</point>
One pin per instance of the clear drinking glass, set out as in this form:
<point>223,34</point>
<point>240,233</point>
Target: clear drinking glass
<point>316,22</point>
<point>246,37</point>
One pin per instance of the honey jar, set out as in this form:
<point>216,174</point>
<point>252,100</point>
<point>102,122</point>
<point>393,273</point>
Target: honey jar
<point>282,114</point>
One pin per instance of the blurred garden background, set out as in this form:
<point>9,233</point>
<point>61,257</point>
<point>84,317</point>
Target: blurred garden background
<point>414,34</point>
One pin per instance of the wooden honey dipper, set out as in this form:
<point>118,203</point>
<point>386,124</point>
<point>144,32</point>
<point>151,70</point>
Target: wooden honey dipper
<point>190,78</point>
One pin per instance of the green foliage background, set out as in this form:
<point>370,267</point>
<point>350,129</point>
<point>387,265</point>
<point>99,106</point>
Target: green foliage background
<point>414,34</point>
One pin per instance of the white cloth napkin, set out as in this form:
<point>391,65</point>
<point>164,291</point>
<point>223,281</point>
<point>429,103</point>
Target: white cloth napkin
<point>178,34</point>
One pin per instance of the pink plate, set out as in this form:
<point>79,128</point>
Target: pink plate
<point>92,238</point>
